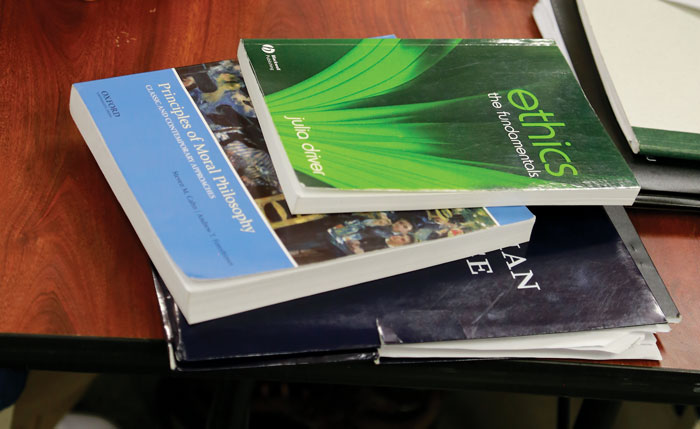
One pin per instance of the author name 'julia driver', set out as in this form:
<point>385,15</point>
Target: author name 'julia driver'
<point>313,155</point>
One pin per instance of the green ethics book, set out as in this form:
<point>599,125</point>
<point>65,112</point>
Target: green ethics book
<point>406,124</point>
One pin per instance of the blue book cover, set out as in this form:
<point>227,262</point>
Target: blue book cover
<point>575,274</point>
<point>183,152</point>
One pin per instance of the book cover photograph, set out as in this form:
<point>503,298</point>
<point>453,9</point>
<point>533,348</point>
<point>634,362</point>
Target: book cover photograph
<point>561,282</point>
<point>502,119</point>
<point>183,151</point>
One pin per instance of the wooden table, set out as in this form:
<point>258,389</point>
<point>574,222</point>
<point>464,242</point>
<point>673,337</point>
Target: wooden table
<point>76,291</point>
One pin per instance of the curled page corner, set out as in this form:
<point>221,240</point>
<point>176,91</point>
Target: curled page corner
<point>693,4</point>
<point>386,334</point>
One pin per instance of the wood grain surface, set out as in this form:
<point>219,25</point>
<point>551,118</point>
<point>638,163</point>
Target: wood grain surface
<point>673,242</point>
<point>71,263</point>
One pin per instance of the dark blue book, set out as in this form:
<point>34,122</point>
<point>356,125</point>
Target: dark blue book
<point>576,275</point>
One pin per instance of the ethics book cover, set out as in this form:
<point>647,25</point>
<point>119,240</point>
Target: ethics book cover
<point>502,117</point>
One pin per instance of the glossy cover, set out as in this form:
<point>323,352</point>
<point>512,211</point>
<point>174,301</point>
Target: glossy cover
<point>180,177</point>
<point>418,115</point>
<point>575,274</point>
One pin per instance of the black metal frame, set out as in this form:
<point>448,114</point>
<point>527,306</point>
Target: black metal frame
<point>549,377</point>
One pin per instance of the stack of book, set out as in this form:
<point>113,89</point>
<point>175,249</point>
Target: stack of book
<point>401,168</point>
<point>624,50</point>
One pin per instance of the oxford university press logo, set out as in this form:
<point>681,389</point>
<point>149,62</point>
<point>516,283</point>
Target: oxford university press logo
<point>108,103</point>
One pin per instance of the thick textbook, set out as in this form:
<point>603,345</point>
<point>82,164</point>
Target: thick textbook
<point>664,181</point>
<point>646,54</point>
<point>575,290</point>
<point>183,153</point>
<point>397,124</point>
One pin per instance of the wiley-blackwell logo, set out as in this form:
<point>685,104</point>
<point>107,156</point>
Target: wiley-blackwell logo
<point>270,56</point>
